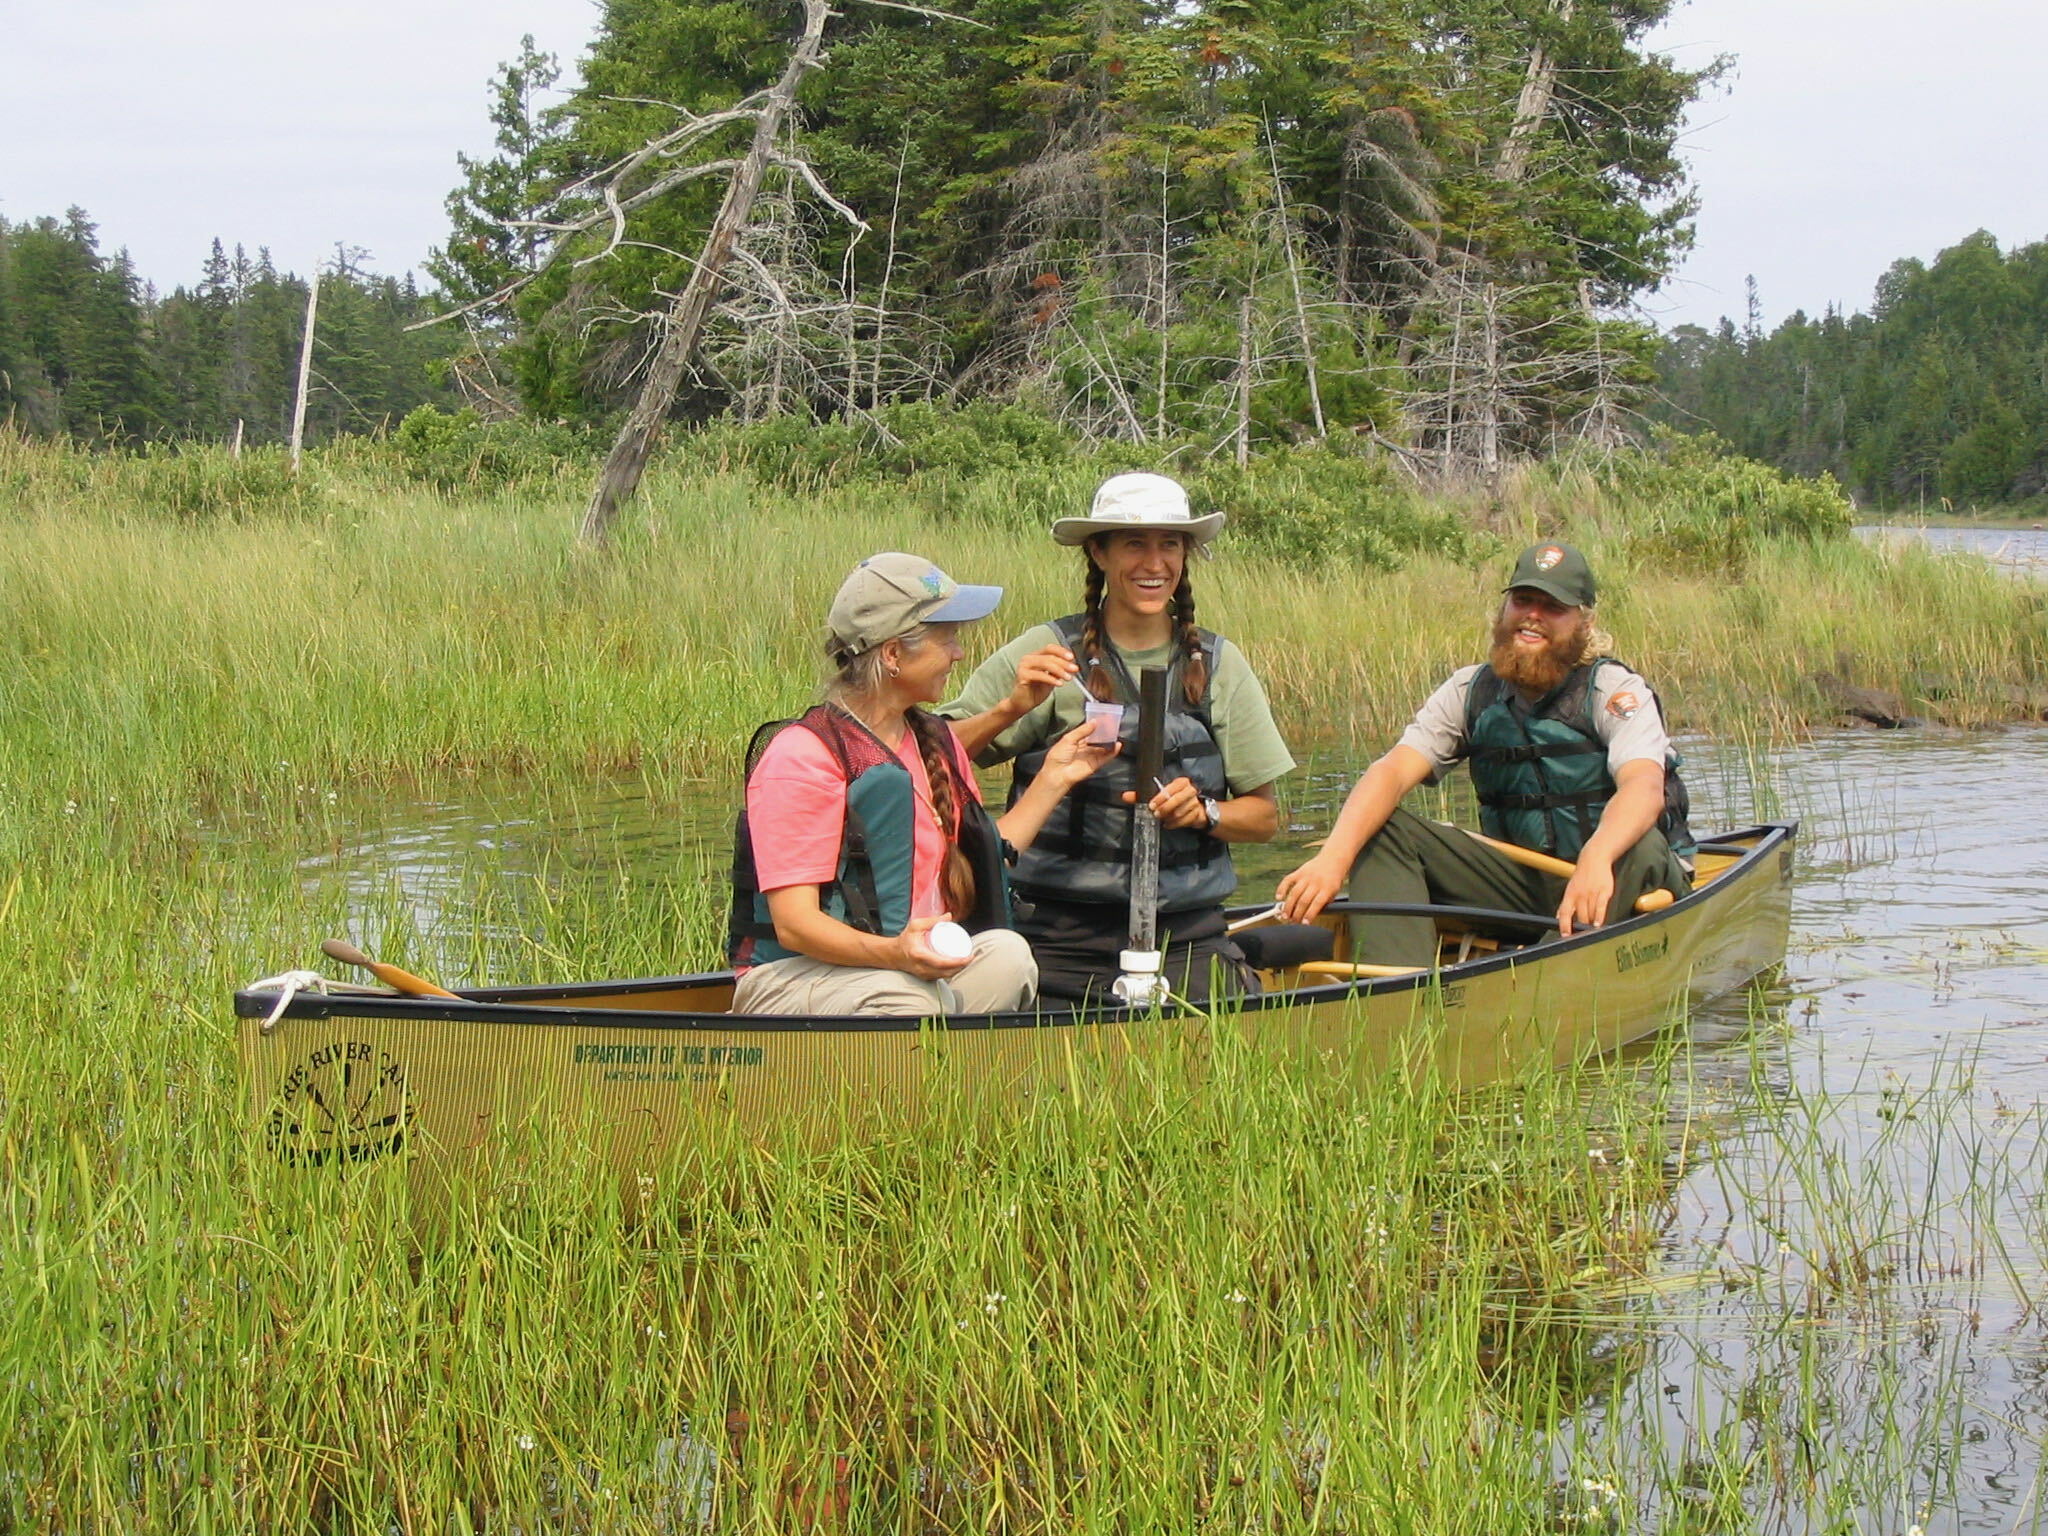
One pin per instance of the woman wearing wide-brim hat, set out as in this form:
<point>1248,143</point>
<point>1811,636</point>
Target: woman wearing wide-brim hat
<point>864,830</point>
<point>1223,752</point>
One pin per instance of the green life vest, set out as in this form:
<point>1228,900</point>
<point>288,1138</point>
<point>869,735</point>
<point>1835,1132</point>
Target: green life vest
<point>872,890</point>
<point>1083,853</point>
<point>1540,769</point>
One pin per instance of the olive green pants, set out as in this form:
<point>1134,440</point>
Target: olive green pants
<point>1411,860</point>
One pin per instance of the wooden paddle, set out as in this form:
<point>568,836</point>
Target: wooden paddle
<point>1529,858</point>
<point>390,975</point>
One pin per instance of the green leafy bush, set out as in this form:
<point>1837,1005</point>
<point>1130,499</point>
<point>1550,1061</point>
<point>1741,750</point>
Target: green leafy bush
<point>459,450</point>
<point>1011,466</point>
<point>1320,505</point>
<point>1690,501</point>
<point>190,482</point>
<point>913,441</point>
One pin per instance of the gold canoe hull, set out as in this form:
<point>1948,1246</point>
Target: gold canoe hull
<point>360,1075</point>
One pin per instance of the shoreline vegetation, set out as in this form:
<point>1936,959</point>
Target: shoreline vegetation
<point>1218,1295</point>
<point>182,623</point>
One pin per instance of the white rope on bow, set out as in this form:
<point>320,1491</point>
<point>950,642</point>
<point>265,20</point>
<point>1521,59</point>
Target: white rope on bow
<point>288,985</point>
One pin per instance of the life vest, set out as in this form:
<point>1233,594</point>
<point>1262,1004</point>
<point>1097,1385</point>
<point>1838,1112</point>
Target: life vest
<point>1541,769</point>
<point>1083,853</point>
<point>872,890</point>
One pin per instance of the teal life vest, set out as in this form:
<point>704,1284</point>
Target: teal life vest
<point>872,890</point>
<point>1083,852</point>
<point>1540,769</point>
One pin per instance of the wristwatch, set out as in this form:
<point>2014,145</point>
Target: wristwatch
<point>1213,809</point>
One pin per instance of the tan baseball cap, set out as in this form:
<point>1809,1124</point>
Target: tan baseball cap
<point>891,594</point>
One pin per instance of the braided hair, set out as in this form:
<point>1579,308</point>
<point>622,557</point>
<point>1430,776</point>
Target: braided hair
<point>1194,669</point>
<point>935,746</point>
<point>1194,665</point>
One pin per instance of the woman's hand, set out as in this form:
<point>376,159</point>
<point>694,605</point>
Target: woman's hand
<point>1073,757</point>
<point>917,956</point>
<point>1178,805</point>
<point>1305,891</point>
<point>1037,675</point>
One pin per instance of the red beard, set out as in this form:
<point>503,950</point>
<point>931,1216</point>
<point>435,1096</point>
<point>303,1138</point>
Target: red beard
<point>1535,673</point>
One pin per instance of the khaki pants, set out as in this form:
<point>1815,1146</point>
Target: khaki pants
<point>1001,976</point>
<point>1423,862</point>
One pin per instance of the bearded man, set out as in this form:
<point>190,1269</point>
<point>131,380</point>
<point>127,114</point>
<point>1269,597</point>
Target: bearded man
<point>1569,756</point>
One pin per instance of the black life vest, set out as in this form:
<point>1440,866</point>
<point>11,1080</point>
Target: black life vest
<point>1083,853</point>
<point>874,885</point>
<point>1540,769</point>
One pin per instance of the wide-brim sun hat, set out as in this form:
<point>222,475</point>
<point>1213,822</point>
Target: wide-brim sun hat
<point>888,595</point>
<point>1136,500</point>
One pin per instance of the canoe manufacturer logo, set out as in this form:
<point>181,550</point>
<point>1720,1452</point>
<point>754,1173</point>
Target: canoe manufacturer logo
<point>347,1102</point>
<point>1628,956</point>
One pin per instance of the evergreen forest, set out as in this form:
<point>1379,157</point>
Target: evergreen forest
<point>1938,395</point>
<point>1416,228</point>
<point>1242,224</point>
<point>89,351</point>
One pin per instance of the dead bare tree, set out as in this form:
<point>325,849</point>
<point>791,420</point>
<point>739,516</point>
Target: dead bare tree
<point>627,461</point>
<point>603,203</point>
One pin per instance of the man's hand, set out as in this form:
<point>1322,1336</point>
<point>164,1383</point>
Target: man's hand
<point>1305,891</point>
<point>1587,895</point>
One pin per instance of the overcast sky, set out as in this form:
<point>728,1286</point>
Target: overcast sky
<point>1850,132</point>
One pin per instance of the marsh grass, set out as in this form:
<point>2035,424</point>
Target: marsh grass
<point>1222,1295</point>
<point>388,633</point>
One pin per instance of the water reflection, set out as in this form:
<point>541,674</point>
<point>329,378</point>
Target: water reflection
<point>2023,551</point>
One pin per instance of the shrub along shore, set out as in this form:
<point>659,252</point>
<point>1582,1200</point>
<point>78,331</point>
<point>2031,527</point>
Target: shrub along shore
<point>1229,1299</point>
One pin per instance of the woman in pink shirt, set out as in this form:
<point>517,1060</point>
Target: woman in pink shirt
<point>864,828</point>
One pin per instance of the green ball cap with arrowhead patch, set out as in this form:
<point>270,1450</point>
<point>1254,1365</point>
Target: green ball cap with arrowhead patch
<point>1557,570</point>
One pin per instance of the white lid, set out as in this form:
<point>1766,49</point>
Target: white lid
<point>950,941</point>
<point>1139,962</point>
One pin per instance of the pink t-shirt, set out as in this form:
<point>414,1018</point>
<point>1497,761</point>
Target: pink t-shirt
<point>796,810</point>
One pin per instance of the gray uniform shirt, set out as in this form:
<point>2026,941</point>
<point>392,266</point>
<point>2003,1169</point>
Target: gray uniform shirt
<point>1625,718</point>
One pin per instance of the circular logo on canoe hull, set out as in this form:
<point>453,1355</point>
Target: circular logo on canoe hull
<point>346,1102</point>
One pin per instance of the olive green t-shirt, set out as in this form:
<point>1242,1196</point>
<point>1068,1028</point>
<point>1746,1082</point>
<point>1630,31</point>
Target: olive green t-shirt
<point>1253,753</point>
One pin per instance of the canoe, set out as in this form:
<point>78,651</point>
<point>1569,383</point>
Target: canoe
<point>364,1073</point>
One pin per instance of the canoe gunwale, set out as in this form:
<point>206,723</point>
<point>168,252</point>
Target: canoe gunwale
<point>522,1005</point>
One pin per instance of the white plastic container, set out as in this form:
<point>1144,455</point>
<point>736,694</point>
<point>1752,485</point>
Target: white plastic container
<point>1106,719</point>
<point>949,941</point>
